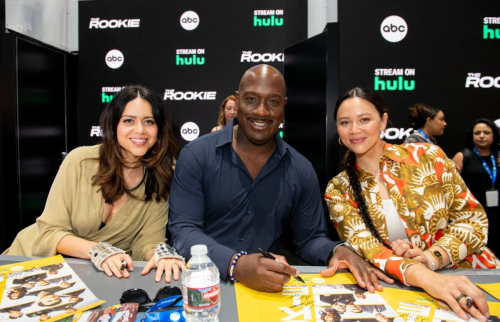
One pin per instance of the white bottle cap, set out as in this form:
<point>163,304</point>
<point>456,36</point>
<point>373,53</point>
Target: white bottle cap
<point>199,250</point>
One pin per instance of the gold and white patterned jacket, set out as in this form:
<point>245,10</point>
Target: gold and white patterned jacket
<point>432,201</point>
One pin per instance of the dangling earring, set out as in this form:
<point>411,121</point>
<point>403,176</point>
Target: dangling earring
<point>340,141</point>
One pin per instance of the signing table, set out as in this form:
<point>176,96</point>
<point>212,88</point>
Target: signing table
<point>110,289</point>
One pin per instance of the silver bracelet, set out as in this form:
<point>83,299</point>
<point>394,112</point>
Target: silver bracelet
<point>164,250</point>
<point>430,260</point>
<point>101,251</point>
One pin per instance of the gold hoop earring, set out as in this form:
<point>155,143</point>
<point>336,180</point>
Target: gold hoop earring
<point>340,141</point>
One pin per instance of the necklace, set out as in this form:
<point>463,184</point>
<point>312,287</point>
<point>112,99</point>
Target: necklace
<point>142,180</point>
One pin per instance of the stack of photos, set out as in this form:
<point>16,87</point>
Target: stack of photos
<point>342,302</point>
<point>118,313</point>
<point>42,290</point>
<point>446,315</point>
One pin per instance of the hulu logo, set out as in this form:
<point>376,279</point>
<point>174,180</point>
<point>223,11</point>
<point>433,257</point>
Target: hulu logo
<point>394,85</point>
<point>490,33</point>
<point>106,98</point>
<point>267,22</point>
<point>193,60</point>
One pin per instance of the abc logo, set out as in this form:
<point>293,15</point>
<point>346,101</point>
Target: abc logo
<point>190,20</point>
<point>114,59</point>
<point>190,131</point>
<point>394,28</point>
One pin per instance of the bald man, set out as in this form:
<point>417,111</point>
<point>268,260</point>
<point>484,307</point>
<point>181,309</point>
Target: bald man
<point>239,189</point>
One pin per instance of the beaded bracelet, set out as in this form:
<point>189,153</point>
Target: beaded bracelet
<point>233,263</point>
<point>430,260</point>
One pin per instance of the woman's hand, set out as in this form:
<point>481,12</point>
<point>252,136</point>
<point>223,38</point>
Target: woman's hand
<point>111,265</point>
<point>165,265</point>
<point>366,276</point>
<point>405,249</point>
<point>448,288</point>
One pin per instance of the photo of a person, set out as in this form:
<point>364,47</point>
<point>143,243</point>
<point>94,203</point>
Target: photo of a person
<point>28,285</point>
<point>48,299</point>
<point>360,295</point>
<point>74,300</point>
<point>44,317</point>
<point>329,315</point>
<point>339,307</point>
<point>42,283</point>
<point>17,293</point>
<point>380,317</point>
<point>15,314</point>
<point>70,310</point>
<point>65,285</point>
<point>354,308</point>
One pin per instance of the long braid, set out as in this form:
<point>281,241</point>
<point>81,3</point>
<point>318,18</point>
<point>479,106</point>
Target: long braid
<point>350,167</point>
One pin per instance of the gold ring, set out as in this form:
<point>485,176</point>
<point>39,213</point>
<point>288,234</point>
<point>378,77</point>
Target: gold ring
<point>370,270</point>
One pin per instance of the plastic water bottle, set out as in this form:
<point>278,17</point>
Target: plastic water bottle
<point>200,287</point>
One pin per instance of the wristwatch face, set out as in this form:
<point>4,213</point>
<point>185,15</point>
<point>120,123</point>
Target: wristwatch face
<point>438,256</point>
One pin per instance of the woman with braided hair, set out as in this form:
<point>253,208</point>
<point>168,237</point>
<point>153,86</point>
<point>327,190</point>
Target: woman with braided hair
<point>405,209</point>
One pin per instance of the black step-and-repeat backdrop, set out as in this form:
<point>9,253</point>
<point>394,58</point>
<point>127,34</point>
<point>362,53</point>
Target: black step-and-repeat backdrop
<point>442,53</point>
<point>192,52</point>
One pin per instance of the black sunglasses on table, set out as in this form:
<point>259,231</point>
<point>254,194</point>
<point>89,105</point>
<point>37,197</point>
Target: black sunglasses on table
<point>140,296</point>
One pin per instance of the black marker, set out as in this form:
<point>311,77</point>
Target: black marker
<point>270,256</point>
<point>124,265</point>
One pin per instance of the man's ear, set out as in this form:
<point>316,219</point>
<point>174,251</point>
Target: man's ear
<point>237,99</point>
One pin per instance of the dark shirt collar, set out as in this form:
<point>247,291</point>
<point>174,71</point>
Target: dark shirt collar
<point>226,137</point>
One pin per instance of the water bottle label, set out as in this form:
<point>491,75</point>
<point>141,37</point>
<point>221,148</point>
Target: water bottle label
<point>202,298</point>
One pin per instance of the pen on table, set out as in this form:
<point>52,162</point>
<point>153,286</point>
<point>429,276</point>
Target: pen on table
<point>124,265</point>
<point>270,256</point>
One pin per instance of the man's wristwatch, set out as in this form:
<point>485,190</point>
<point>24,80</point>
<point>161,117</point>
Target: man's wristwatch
<point>437,255</point>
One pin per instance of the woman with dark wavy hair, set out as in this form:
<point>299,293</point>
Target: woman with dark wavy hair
<point>227,112</point>
<point>108,202</point>
<point>405,209</point>
<point>478,165</point>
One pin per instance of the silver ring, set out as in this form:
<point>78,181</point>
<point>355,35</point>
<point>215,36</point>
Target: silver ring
<point>370,270</point>
<point>460,297</point>
<point>175,263</point>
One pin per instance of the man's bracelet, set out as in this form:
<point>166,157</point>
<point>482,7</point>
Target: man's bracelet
<point>233,263</point>
<point>431,261</point>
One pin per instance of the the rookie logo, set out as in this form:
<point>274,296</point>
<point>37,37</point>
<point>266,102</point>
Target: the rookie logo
<point>190,131</point>
<point>190,20</point>
<point>478,81</point>
<point>97,23</point>
<point>114,59</point>
<point>248,56</point>
<point>394,28</point>
<point>171,94</point>
<point>95,131</point>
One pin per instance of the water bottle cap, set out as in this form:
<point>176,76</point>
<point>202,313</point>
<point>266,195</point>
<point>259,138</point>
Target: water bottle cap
<point>199,250</point>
